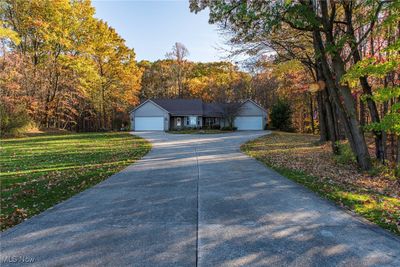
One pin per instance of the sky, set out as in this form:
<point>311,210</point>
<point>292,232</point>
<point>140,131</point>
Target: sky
<point>152,27</point>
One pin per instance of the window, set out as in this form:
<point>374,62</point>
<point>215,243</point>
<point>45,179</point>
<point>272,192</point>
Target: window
<point>211,121</point>
<point>192,120</point>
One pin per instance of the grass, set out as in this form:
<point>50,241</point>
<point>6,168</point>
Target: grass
<point>40,171</point>
<point>292,154</point>
<point>198,131</point>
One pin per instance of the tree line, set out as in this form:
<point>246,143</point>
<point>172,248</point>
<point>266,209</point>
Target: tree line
<point>61,67</point>
<point>215,81</point>
<point>336,63</point>
<point>350,49</point>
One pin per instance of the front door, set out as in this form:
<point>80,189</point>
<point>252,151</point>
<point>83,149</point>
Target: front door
<point>178,122</point>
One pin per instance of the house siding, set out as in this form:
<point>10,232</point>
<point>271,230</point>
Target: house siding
<point>184,123</point>
<point>149,109</point>
<point>251,109</point>
<point>152,109</point>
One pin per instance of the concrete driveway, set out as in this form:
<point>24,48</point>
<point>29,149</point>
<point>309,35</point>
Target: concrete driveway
<point>196,200</point>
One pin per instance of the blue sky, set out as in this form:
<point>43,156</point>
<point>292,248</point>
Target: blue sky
<point>152,27</point>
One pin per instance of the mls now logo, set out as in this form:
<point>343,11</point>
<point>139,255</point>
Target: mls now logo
<point>17,259</point>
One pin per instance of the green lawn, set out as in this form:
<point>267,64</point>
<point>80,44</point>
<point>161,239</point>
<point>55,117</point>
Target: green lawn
<point>38,172</point>
<point>302,159</point>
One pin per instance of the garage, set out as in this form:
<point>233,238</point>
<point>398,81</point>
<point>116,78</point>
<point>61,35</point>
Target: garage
<point>249,123</point>
<point>149,123</point>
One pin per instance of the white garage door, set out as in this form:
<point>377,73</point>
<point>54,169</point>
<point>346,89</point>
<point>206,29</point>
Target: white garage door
<point>149,123</point>
<point>249,123</point>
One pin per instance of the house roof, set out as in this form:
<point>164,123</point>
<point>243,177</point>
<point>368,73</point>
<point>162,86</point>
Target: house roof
<point>212,109</point>
<point>179,106</point>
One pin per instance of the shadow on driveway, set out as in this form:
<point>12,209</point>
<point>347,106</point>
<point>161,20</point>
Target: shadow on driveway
<point>197,200</point>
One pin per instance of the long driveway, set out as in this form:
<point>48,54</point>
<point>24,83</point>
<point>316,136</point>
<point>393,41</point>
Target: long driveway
<point>196,200</point>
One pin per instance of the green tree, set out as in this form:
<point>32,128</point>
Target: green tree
<point>329,24</point>
<point>380,68</point>
<point>281,115</point>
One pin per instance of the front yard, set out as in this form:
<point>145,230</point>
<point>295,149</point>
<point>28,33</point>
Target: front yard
<point>301,158</point>
<point>38,172</point>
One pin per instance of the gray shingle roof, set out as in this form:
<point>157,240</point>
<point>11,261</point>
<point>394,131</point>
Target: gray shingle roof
<point>212,109</point>
<point>197,107</point>
<point>181,106</point>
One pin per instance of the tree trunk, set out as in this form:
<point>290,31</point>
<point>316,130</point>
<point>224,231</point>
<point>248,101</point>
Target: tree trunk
<point>367,90</point>
<point>332,123</point>
<point>398,151</point>
<point>312,114</point>
<point>362,113</point>
<point>347,110</point>
<point>322,118</point>
<point>103,110</point>
<point>359,145</point>
<point>373,110</point>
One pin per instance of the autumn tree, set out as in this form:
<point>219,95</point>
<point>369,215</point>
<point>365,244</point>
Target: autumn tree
<point>119,77</point>
<point>214,81</point>
<point>69,69</point>
<point>158,79</point>
<point>264,84</point>
<point>330,24</point>
<point>293,85</point>
<point>384,68</point>
<point>179,54</point>
<point>218,81</point>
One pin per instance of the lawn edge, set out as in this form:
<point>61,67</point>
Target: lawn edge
<point>283,172</point>
<point>15,227</point>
